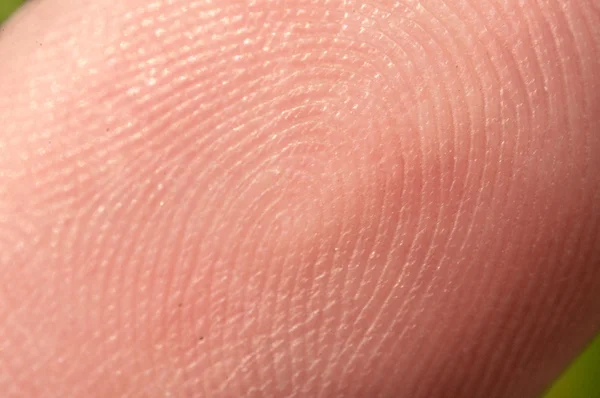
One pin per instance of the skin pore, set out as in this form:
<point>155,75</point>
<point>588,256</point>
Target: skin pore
<point>303,198</point>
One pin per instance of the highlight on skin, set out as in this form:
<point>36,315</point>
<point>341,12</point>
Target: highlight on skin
<point>309,198</point>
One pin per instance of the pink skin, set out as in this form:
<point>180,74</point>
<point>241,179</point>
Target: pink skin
<point>303,198</point>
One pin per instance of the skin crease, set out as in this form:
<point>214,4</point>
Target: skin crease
<point>309,198</point>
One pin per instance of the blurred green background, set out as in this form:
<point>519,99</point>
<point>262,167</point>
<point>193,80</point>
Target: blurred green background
<point>7,6</point>
<point>582,380</point>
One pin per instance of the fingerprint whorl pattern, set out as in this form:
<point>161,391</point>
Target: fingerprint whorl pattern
<point>307,151</point>
<point>344,132</point>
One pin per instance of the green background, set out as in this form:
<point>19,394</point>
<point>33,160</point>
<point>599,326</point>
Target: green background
<point>7,6</point>
<point>582,380</point>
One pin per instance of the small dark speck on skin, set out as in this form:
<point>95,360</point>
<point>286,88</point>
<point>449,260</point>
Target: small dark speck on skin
<point>180,305</point>
<point>201,338</point>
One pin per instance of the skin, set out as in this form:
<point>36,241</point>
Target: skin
<point>298,199</point>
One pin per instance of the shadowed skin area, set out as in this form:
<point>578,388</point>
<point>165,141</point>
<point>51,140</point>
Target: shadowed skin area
<point>303,198</point>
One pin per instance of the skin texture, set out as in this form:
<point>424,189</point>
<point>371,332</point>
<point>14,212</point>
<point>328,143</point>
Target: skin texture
<point>303,198</point>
